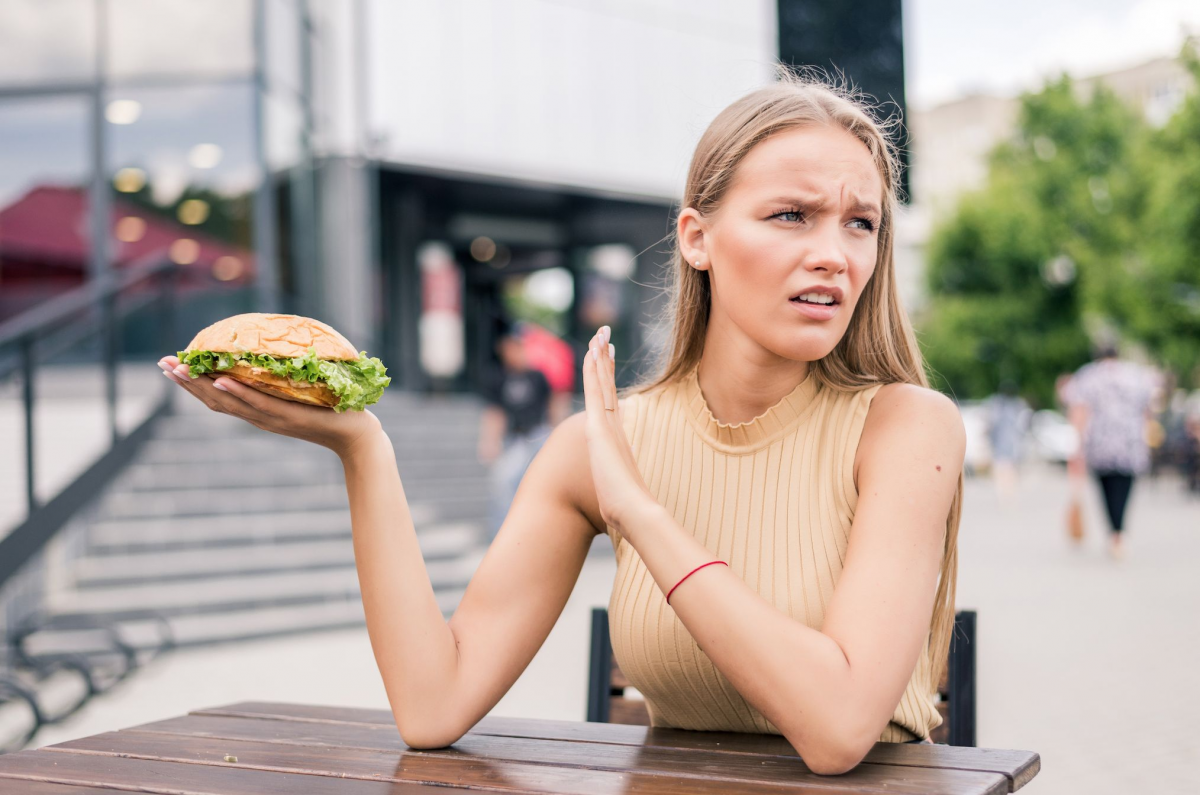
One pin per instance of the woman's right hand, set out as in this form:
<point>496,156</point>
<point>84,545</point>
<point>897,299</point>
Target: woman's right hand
<point>325,427</point>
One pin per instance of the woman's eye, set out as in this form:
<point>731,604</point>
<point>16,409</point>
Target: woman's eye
<point>867,224</point>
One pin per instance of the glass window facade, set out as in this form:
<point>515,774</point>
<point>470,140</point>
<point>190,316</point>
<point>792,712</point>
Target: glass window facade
<point>47,40</point>
<point>159,39</point>
<point>45,245</point>
<point>184,176</point>
<point>195,137</point>
<point>284,42</point>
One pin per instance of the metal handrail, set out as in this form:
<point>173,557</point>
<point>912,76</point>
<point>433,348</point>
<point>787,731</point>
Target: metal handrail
<point>61,307</point>
<point>49,319</point>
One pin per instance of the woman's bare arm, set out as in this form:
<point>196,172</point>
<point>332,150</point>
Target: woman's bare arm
<point>442,677</point>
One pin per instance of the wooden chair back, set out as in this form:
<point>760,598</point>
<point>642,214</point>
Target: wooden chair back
<point>608,701</point>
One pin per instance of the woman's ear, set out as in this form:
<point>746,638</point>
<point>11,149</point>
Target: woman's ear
<point>691,229</point>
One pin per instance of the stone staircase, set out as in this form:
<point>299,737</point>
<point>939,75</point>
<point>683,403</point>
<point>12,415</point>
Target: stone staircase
<point>220,532</point>
<point>233,533</point>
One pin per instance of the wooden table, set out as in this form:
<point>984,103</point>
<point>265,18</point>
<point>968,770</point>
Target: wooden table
<point>292,748</point>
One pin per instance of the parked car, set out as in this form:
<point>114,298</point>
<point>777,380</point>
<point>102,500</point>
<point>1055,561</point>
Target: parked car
<point>978,459</point>
<point>1054,438</point>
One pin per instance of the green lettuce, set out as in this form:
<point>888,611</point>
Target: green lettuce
<point>358,384</point>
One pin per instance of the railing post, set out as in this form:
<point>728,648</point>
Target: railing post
<point>110,326</point>
<point>167,342</point>
<point>171,302</point>
<point>27,377</point>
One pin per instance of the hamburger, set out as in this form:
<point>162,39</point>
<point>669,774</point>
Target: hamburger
<point>289,356</point>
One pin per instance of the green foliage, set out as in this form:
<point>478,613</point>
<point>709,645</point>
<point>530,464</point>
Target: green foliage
<point>1087,214</point>
<point>1167,315</point>
<point>518,306</point>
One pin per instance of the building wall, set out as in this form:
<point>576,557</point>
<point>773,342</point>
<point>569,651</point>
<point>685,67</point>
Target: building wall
<point>951,141</point>
<point>1156,88</point>
<point>605,94</point>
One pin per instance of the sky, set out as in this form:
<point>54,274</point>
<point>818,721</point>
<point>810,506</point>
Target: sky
<point>957,47</point>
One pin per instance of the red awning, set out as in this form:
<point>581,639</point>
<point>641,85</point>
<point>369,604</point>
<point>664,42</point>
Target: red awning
<point>49,224</point>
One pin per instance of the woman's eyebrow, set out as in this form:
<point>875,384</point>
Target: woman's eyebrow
<point>856,205</point>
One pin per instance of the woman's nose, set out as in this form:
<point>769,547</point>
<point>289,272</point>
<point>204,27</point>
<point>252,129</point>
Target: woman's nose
<point>827,248</point>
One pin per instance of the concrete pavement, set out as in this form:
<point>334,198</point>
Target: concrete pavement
<point>1089,661</point>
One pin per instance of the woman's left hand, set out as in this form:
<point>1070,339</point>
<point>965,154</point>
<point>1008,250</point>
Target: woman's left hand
<point>620,490</point>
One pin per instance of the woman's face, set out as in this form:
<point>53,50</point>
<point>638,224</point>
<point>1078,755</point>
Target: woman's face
<point>801,217</point>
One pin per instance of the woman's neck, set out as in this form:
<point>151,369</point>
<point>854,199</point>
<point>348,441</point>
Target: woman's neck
<point>738,390</point>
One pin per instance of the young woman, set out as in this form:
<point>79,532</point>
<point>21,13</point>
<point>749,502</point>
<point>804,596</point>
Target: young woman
<point>790,436</point>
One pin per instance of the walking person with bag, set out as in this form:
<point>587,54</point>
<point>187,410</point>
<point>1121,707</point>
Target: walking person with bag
<point>1108,402</point>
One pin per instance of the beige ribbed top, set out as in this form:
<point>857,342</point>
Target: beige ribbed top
<point>773,497</point>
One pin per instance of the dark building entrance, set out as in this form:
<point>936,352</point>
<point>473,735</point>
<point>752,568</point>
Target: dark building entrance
<point>589,252</point>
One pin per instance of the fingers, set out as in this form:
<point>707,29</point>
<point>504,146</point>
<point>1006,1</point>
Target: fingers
<point>602,368</point>
<point>607,371</point>
<point>247,395</point>
<point>592,400</point>
<point>204,387</point>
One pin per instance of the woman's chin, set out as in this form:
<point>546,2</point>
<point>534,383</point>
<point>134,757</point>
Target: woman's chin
<point>809,350</point>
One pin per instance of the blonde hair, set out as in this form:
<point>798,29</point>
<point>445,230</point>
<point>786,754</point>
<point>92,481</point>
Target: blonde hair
<point>879,346</point>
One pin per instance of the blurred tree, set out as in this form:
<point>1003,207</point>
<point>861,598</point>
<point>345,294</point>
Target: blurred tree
<point>1014,268</point>
<point>226,217</point>
<point>1160,303</point>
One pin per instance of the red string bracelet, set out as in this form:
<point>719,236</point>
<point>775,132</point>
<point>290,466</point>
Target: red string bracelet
<point>690,573</point>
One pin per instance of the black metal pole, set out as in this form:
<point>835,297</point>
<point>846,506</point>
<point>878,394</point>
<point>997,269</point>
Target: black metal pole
<point>27,376</point>
<point>962,680</point>
<point>600,669</point>
<point>110,326</point>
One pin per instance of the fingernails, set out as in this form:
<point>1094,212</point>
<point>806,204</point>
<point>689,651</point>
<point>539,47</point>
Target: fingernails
<point>595,355</point>
<point>220,386</point>
<point>182,371</point>
<point>612,351</point>
<point>166,367</point>
<point>172,376</point>
<point>605,332</point>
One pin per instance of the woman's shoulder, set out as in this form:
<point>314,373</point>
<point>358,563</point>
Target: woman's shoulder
<point>902,403</point>
<point>907,415</point>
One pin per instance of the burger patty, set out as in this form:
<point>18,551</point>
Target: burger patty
<point>316,393</point>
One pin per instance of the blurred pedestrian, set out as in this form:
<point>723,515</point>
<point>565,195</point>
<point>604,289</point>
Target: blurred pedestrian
<point>1109,402</point>
<point>1191,442</point>
<point>1008,417</point>
<point>515,424</point>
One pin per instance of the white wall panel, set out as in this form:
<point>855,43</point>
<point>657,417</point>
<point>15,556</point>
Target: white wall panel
<point>603,94</point>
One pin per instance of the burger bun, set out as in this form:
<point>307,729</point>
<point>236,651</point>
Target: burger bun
<point>282,337</point>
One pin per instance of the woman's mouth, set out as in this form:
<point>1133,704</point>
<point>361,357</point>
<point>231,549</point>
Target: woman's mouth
<point>809,306</point>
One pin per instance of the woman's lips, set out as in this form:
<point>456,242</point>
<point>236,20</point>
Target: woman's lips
<point>815,311</point>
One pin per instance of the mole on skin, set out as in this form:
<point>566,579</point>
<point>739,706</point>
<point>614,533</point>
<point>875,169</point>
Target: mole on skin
<point>939,469</point>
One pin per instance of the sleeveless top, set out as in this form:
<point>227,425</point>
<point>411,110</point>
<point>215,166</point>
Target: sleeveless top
<point>773,497</point>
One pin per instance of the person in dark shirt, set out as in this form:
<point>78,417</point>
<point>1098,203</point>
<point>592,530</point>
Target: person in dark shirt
<point>515,424</point>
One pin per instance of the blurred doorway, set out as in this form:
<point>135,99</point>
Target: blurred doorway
<point>507,286</point>
<point>560,257</point>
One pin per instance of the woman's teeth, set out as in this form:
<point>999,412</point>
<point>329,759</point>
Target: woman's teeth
<point>815,298</point>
